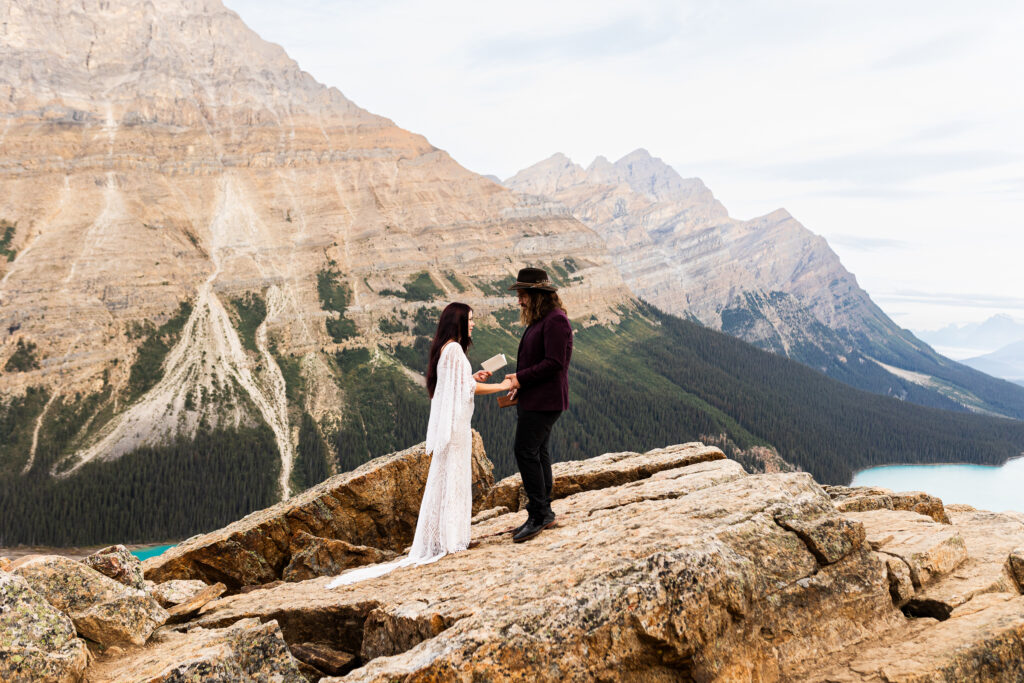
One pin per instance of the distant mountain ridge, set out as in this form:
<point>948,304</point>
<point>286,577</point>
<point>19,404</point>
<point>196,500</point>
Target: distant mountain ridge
<point>989,335</point>
<point>1007,362</point>
<point>768,280</point>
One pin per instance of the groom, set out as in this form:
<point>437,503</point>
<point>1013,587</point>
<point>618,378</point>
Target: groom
<point>541,384</point>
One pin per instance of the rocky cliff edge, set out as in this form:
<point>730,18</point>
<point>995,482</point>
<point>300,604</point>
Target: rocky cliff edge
<point>673,564</point>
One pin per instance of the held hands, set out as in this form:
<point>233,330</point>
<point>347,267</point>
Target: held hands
<point>513,384</point>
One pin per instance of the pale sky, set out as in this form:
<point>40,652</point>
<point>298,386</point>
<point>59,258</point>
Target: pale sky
<point>894,129</point>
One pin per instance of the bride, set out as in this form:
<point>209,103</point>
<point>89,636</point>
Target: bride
<point>446,509</point>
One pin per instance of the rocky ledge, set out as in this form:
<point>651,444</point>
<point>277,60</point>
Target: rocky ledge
<point>668,565</point>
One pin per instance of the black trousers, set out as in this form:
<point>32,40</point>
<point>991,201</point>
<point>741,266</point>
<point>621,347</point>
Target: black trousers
<point>533,430</point>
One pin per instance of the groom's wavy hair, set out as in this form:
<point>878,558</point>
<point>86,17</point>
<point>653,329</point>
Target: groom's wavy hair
<point>540,304</point>
<point>454,324</point>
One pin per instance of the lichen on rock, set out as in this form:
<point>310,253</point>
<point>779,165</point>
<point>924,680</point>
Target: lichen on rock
<point>37,641</point>
<point>102,609</point>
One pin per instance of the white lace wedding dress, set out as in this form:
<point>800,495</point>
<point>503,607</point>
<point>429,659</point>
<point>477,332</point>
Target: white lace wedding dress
<point>446,509</point>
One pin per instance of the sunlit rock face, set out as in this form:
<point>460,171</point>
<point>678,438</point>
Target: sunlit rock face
<point>160,153</point>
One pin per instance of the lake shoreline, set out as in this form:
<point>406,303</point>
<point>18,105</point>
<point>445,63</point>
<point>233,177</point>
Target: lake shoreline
<point>73,552</point>
<point>983,487</point>
<point>934,464</point>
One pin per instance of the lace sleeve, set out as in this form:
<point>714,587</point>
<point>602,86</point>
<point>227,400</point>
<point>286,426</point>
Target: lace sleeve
<point>454,390</point>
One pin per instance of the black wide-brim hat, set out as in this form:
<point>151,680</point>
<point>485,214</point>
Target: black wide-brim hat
<point>533,278</point>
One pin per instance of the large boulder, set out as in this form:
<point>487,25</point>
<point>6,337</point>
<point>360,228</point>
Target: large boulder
<point>245,651</point>
<point>375,505</point>
<point>102,609</point>
<point>37,642</point>
<point>118,563</point>
<point>697,571</point>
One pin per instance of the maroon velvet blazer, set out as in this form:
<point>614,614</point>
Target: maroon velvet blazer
<point>542,363</point>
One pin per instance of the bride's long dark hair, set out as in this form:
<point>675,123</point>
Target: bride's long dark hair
<point>454,324</point>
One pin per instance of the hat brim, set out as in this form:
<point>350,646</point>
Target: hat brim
<point>529,285</point>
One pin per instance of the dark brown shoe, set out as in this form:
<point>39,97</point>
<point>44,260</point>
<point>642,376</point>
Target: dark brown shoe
<point>528,531</point>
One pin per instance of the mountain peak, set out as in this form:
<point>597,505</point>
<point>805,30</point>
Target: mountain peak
<point>172,62</point>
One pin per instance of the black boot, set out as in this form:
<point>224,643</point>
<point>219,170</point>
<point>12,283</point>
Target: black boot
<point>533,527</point>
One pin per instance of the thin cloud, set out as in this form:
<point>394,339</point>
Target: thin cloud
<point>953,299</point>
<point>874,168</point>
<point>617,38</point>
<point>868,243</point>
<point>928,52</point>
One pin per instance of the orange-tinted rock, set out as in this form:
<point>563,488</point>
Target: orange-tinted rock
<point>684,573</point>
<point>313,556</point>
<point>375,505</point>
<point>604,471</point>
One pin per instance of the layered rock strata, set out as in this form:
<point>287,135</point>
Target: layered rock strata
<point>157,154</point>
<point>375,505</point>
<point>769,280</point>
<point>678,248</point>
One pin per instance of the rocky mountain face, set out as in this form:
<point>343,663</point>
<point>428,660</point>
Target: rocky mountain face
<point>769,280</point>
<point>185,211</point>
<point>673,564</point>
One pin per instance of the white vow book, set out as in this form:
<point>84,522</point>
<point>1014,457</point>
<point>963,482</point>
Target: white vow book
<point>494,363</point>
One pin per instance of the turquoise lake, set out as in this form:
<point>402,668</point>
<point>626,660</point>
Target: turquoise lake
<point>987,488</point>
<point>145,553</point>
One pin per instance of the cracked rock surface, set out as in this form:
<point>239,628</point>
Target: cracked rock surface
<point>682,572</point>
<point>669,565</point>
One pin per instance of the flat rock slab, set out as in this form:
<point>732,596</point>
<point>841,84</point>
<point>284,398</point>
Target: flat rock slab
<point>990,538</point>
<point>865,498</point>
<point>929,548</point>
<point>102,609</point>
<point>982,641</point>
<point>246,651</point>
<point>37,641</point>
<point>704,583</point>
<point>602,472</point>
<point>375,505</point>
<point>182,611</point>
<point>176,591</point>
